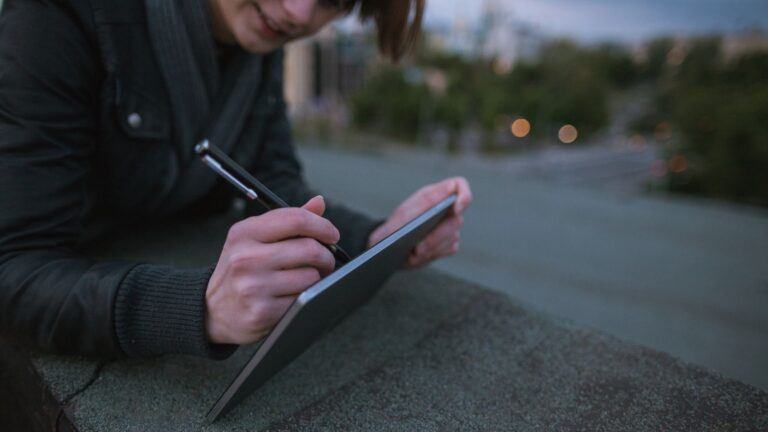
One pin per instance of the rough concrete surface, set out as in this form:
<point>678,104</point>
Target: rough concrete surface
<point>430,352</point>
<point>686,277</point>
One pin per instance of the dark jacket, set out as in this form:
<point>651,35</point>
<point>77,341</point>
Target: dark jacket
<point>85,133</point>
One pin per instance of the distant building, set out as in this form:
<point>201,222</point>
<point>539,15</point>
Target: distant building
<point>732,46</point>
<point>299,74</point>
<point>743,43</point>
<point>325,68</point>
<point>497,35</point>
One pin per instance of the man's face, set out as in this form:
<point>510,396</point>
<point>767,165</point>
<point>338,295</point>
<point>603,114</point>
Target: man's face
<point>261,26</point>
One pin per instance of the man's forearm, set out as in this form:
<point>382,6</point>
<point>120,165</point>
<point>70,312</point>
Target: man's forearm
<point>69,304</point>
<point>62,303</point>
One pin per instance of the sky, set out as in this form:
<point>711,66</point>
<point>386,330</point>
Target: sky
<point>623,20</point>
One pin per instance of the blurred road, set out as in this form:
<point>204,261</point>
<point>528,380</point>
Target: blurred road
<point>568,233</point>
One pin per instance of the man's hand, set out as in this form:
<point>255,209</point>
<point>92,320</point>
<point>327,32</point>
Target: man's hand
<point>266,262</point>
<point>444,239</point>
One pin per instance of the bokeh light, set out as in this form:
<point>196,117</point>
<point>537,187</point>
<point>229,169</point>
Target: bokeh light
<point>637,142</point>
<point>521,128</point>
<point>678,164</point>
<point>659,168</point>
<point>663,131</point>
<point>502,67</point>
<point>568,134</point>
<point>676,56</point>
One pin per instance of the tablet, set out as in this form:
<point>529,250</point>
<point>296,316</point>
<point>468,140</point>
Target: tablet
<point>325,304</point>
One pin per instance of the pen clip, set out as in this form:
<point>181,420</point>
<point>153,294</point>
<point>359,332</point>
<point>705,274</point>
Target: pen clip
<point>250,193</point>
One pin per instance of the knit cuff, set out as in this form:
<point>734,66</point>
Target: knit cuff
<point>161,310</point>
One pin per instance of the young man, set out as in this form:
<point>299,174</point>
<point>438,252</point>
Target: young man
<point>101,104</point>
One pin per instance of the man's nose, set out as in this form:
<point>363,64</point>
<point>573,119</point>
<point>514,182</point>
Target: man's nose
<point>300,12</point>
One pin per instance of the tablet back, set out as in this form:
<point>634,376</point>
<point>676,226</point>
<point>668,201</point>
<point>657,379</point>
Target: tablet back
<point>325,304</point>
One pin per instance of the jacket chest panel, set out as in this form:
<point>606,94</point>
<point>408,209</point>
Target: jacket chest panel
<point>136,161</point>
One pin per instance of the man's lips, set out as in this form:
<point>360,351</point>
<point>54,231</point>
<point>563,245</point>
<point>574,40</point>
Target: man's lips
<point>271,27</point>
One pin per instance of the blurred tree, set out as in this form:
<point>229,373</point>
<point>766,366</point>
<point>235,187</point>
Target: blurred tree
<point>389,105</point>
<point>719,110</point>
<point>701,63</point>
<point>565,84</point>
<point>657,53</point>
<point>616,64</point>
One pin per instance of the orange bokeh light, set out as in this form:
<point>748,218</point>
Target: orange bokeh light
<point>678,164</point>
<point>659,168</point>
<point>568,134</point>
<point>663,131</point>
<point>521,128</point>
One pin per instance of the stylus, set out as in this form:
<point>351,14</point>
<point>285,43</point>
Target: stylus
<point>219,162</point>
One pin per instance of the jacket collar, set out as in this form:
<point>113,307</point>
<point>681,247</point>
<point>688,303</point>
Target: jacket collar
<point>205,103</point>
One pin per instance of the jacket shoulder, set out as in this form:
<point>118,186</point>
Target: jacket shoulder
<point>79,10</point>
<point>96,12</point>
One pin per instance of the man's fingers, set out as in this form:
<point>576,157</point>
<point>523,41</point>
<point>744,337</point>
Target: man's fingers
<point>460,187</point>
<point>441,249</point>
<point>293,282</point>
<point>272,311</point>
<point>416,261</point>
<point>424,252</point>
<point>447,248</point>
<point>464,193</point>
<point>302,252</point>
<point>286,223</point>
<point>447,229</point>
<point>435,193</point>
<point>316,205</point>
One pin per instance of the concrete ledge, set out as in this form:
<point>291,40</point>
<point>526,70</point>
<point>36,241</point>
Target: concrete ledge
<point>428,353</point>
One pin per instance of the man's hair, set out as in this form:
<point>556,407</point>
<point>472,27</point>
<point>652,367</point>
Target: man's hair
<point>398,23</point>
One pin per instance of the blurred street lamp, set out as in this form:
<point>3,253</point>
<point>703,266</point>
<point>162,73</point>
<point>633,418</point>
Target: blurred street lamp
<point>663,131</point>
<point>436,81</point>
<point>502,66</point>
<point>637,142</point>
<point>520,128</point>
<point>568,134</point>
<point>678,164</point>
<point>659,168</point>
<point>676,56</point>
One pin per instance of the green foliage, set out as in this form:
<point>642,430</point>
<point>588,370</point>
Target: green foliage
<point>702,64</point>
<point>615,63</point>
<point>389,105</point>
<point>566,84</point>
<point>655,63</point>
<point>719,110</point>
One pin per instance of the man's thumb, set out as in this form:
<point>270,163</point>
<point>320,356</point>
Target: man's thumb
<point>316,205</point>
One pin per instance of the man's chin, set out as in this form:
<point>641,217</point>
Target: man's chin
<point>251,42</point>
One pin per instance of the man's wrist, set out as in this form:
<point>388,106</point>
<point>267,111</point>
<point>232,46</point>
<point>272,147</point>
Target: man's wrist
<point>160,310</point>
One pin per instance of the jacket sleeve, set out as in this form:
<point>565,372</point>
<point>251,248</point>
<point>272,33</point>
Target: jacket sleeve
<point>280,170</point>
<point>50,295</point>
